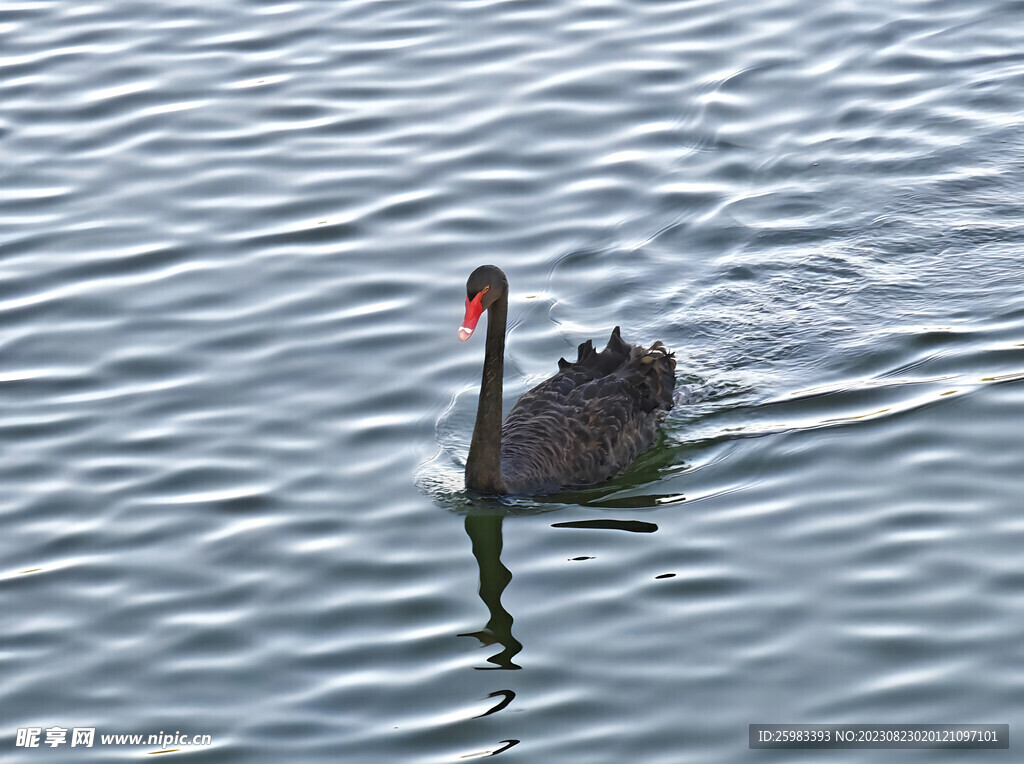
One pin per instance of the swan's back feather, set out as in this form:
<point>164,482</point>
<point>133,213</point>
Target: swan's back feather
<point>590,421</point>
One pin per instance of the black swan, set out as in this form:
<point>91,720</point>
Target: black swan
<point>582,426</point>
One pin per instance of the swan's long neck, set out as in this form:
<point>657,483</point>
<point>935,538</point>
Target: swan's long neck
<point>483,466</point>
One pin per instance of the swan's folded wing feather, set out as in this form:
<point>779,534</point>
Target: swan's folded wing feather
<point>589,421</point>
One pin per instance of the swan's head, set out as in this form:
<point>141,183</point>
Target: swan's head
<point>485,286</point>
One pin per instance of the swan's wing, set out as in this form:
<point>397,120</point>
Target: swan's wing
<point>589,421</point>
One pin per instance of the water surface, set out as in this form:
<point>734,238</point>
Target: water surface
<point>234,240</point>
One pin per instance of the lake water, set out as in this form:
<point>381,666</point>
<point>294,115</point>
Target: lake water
<point>234,239</point>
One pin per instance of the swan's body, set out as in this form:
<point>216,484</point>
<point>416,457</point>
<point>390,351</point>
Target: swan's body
<point>582,426</point>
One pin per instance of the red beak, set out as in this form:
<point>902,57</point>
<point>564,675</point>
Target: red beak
<point>474,309</point>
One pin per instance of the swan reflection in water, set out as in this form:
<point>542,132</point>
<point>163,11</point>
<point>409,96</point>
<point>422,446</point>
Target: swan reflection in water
<point>484,531</point>
<point>485,534</point>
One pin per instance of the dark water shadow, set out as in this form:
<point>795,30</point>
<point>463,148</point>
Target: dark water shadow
<point>630,526</point>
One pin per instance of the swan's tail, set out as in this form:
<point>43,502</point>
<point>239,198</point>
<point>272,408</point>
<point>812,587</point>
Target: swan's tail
<point>660,363</point>
<point>653,370</point>
<point>650,370</point>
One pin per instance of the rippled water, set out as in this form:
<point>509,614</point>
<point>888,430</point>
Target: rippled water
<point>234,239</point>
